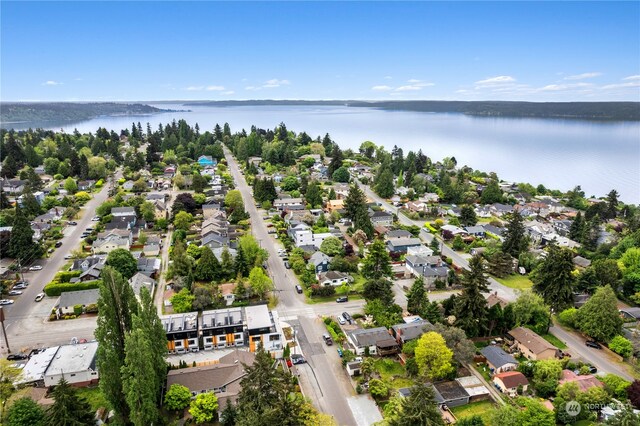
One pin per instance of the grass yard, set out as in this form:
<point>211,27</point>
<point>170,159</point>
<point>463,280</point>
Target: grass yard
<point>484,370</point>
<point>482,408</point>
<point>516,281</point>
<point>93,396</point>
<point>554,341</point>
<point>393,374</point>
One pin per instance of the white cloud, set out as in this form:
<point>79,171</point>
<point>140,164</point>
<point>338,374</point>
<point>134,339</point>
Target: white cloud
<point>621,85</point>
<point>228,92</point>
<point>408,88</point>
<point>501,79</point>
<point>413,80</point>
<point>194,88</point>
<point>251,88</point>
<point>382,88</point>
<point>558,87</point>
<point>51,83</point>
<point>214,88</point>
<point>583,76</point>
<point>274,82</point>
<point>632,78</point>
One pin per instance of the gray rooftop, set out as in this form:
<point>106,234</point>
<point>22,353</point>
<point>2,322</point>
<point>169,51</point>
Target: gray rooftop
<point>73,358</point>
<point>222,317</point>
<point>81,297</point>
<point>497,357</point>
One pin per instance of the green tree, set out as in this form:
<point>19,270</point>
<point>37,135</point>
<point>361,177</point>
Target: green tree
<point>378,389</point>
<point>116,307</point>
<point>122,261</point>
<point>553,279</point>
<point>137,384</point>
<point>177,397</point>
<point>515,240</point>
<point>341,175</point>
<point>377,263</point>
<point>313,196</point>
<point>546,375</point>
<point>229,414</point>
<point>419,408</point>
<point>69,409</point>
<point>199,183</point>
<point>182,220</point>
<point>433,356</point>
<point>204,407</point>
<point>25,412</point>
<point>332,246</point>
<point>235,205</point>
<point>530,311</point>
<point>621,346</point>
<point>456,339</point>
<point>266,395</point>
<point>21,244</point>
<point>492,193</point>
<point>336,160</point>
<point>474,420</point>
<point>259,282</point>
<point>356,210</point>
<point>471,306</point>
<point>599,317</point>
<point>612,204</point>
<point>624,417</point>
<point>240,265</point>
<point>577,228</point>
<point>207,267</point>
<point>9,374</point>
<point>152,328</point>
<point>253,253</point>
<point>615,386</point>
<point>71,186</point>
<point>417,299</point>
<point>468,216</point>
<point>384,184</point>
<point>378,288</point>
<point>182,301</point>
<point>607,272</point>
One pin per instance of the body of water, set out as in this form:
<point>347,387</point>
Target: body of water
<point>559,154</point>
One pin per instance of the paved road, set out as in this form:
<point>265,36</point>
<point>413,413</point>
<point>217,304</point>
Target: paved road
<point>600,359</point>
<point>333,388</point>
<point>26,321</point>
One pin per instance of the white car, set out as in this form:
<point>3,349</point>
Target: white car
<point>6,302</point>
<point>39,297</point>
<point>14,293</point>
<point>68,256</point>
<point>36,268</point>
<point>95,219</point>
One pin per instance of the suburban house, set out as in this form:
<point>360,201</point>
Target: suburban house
<point>254,160</point>
<point>416,206</point>
<point>111,240</point>
<point>474,387</point>
<point>400,245</point>
<point>333,278</point>
<point>223,328</point>
<point>531,345</point>
<point>499,210</point>
<point>494,230</point>
<point>140,280</point>
<point>450,393</point>
<point>85,185</point>
<point>302,235</point>
<point>217,252</point>
<point>69,299</point>
<point>289,204</point>
<point>214,241</point>
<point>128,185</point>
<point>87,262</point>
<point>494,299</point>
<point>222,378</point>
<point>149,266</point>
<point>408,331</point>
<point>227,291</point>
<point>76,363</point>
<point>335,205</point>
<point>182,332</point>
<point>430,268</point>
<point>584,382</point>
<point>508,382</point>
<point>210,210</point>
<point>160,210</point>
<point>320,262</point>
<point>630,313</point>
<point>476,231</point>
<point>581,262</point>
<point>375,341</point>
<point>263,328</point>
<point>206,160</point>
<point>498,360</point>
<point>13,186</point>
<point>91,274</point>
<point>381,218</point>
<point>151,249</point>
<point>398,233</point>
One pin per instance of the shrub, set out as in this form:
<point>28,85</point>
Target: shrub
<point>321,290</point>
<point>92,308</point>
<point>56,289</point>
<point>621,346</point>
<point>568,317</point>
<point>77,310</point>
<point>378,389</point>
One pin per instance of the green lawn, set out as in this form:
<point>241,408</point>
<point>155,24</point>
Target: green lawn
<point>93,396</point>
<point>516,281</point>
<point>393,374</point>
<point>484,370</point>
<point>554,341</point>
<point>482,408</point>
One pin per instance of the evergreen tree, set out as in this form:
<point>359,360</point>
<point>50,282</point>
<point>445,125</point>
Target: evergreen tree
<point>515,240</point>
<point>468,216</point>
<point>384,184</point>
<point>500,264</point>
<point>84,167</point>
<point>25,412</point>
<point>240,265</point>
<point>576,231</point>
<point>313,195</point>
<point>599,317</point>
<point>471,306</point>
<point>198,183</point>
<point>553,280</point>
<point>227,266</point>
<point>21,244</point>
<point>9,167</point>
<point>336,160</point>
<point>68,408</point>
<point>332,194</point>
<point>355,206</point>
<point>116,307</point>
<point>419,408</point>
<point>377,263</point>
<point>417,299</point>
<point>207,267</point>
<point>378,288</point>
<point>492,193</point>
<point>612,204</point>
<point>30,205</point>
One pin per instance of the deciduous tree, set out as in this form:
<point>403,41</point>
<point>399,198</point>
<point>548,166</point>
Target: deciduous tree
<point>204,407</point>
<point>599,317</point>
<point>259,282</point>
<point>433,356</point>
<point>25,412</point>
<point>331,246</point>
<point>122,261</point>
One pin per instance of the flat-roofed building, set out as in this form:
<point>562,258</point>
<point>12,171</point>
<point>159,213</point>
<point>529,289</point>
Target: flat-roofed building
<point>223,328</point>
<point>76,363</point>
<point>182,332</point>
<point>263,329</point>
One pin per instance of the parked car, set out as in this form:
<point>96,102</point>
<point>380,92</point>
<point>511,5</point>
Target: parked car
<point>298,289</point>
<point>89,230</point>
<point>68,256</point>
<point>327,339</point>
<point>58,244</point>
<point>14,293</point>
<point>593,344</point>
<point>6,302</point>
<point>342,299</point>
<point>347,317</point>
<point>25,282</point>
<point>286,264</point>
<point>17,357</point>
<point>72,223</point>
<point>297,359</point>
<point>340,352</point>
<point>341,320</point>
<point>19,287</point>
<point>39,297</point>
<point>35,268</point>
<point>95,219</point>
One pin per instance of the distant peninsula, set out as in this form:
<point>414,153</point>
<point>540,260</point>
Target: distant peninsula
<point>615,111</point>
<point>18,112</point>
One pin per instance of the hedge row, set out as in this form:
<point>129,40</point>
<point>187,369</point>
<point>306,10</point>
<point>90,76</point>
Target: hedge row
<point>55,289</point>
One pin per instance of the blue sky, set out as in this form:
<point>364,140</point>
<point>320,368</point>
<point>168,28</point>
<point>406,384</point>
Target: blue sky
<point>542,51</point>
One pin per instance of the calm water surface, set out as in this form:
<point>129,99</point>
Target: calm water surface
<point>559,154</point>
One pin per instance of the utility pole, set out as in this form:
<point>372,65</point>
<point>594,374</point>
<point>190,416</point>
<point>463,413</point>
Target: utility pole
<point>4,331</point>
